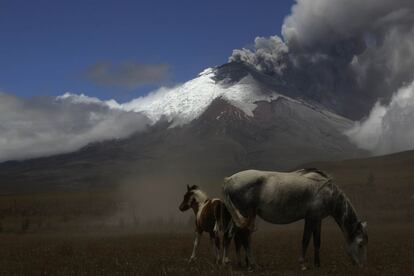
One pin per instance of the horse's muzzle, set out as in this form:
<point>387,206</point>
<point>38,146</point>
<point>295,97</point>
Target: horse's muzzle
<point>183,208</point>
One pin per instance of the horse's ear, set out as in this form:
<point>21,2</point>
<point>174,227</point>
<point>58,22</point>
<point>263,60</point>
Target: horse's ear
<point>188,187</point>
<point>194,187</point>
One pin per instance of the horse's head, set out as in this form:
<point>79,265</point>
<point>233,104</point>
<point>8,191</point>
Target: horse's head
<point>189,198</point>
<point>357,247</point>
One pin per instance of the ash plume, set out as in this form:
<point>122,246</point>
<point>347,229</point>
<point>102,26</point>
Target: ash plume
<point>344,54</point>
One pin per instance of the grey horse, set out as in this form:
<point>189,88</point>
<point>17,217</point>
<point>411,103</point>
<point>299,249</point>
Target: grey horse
<point>286,197</point>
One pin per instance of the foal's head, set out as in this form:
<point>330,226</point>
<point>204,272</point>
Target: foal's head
<point>357,246</point>
<point>192,197</point>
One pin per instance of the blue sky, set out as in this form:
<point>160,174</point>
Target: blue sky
<point>46,46</point>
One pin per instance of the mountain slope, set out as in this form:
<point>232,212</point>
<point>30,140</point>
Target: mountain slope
<point>381,187</point>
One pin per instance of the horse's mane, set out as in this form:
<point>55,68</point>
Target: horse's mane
<point>200,194</point>
<point>312,170</point>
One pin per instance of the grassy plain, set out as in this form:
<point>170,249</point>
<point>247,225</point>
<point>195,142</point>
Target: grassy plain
<point>391,251</point>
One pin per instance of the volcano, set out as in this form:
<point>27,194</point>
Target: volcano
<point>228,118</point>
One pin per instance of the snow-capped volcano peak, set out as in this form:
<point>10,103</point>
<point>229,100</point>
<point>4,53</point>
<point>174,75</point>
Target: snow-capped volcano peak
<point>187,101</point>
<point>239,85</point>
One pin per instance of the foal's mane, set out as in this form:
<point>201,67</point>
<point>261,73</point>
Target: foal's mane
<point>201,195</point>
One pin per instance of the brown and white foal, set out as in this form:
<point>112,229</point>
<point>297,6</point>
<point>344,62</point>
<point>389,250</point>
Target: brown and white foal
<point>211,217</point>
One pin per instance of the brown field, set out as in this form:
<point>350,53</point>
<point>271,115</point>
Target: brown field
<point>138,230</point>
<point>391,251</point>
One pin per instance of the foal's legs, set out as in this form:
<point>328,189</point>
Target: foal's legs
<point>317,241</point>
<point>196,242</point>
<point>227,236</point>
<point>215,243</point>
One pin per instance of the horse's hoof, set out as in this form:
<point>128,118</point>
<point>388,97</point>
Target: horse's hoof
<point>303,267</point>
<point>191,260</point>
<point>226,261</point>
<point>252,268</point>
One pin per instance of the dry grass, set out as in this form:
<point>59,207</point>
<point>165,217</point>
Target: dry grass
<point>391,250</point>
<point>95,232</point>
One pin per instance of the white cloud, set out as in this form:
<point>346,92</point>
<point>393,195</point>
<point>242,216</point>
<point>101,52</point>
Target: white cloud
<point>388,128</point>
<point>45,126</point>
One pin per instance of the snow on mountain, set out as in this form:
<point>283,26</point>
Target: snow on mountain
<point>186,102</point>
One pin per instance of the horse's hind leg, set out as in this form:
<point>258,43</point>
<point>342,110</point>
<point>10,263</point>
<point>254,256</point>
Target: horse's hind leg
<point>247,241</point>
<point>305,242</point>
<point>238,243</point>
<point>317,241</point>
<point>215,243</point>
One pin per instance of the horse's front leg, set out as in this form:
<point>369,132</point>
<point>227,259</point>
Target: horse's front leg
<point>305,242</point>
<point>317,241</point>
<point>196,242</point>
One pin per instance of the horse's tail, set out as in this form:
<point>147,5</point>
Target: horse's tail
<point>237,217</point>
<point>223,220</point>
